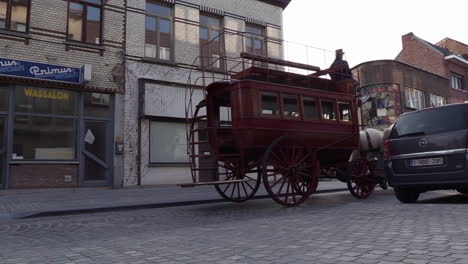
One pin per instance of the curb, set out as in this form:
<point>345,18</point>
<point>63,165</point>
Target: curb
<point>145,206</point>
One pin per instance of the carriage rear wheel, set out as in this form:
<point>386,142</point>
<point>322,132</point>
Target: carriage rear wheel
<point>361,181</point>
<point>289,172</point>
<point>237,191</point>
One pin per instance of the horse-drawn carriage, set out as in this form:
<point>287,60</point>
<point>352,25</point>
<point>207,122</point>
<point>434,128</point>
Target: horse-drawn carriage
<point>283,129</point>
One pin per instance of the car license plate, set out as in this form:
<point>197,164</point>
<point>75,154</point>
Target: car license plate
<point>427,162</point>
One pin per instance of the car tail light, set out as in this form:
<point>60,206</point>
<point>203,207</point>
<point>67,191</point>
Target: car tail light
<point>386,150</point>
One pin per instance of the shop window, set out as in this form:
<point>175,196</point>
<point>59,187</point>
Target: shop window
<point>437,100</point>
<point>344,109</point>
<point>255,39</point>
<point>310,108</point>
<point>290,106</point>
<point>457,81</point>
<point>96,105</point>
<point>210,41</point>
<point>14,15</point>
<point>158,34</point>
<point>45,101</point>
<point>168,142</point>
<point>414,99</point>
<point>4,99</point>
<point>269,103</point>
<point>44,138</point>
<point>84,21</point>
<point>328,110</point>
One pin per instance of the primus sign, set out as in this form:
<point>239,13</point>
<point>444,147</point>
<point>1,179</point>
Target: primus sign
<point>26,69</point>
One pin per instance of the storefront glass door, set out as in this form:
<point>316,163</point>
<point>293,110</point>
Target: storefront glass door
<point>2,148</point>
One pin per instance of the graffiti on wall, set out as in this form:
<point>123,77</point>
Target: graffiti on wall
<point>380,105</point>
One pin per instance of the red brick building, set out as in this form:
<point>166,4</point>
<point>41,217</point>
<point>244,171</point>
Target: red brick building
<point>447,58</point>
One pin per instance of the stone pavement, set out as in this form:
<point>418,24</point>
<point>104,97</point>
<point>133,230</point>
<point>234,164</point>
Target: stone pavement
<point>28,202</point>
<point>327,228</point>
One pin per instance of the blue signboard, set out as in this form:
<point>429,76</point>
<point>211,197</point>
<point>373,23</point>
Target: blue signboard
<point>26,69</point>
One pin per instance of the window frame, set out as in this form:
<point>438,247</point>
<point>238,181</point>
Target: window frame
<point>254,36</point>
<point>335,110</point>
<point>317,108</point>
<point>8,18</point>
<point>171,32</point>
<point>85,4</point>
<point>457,79</point>
<point>151,163</point>
<point>351,115</point>
<point>283,95</point>
<point>279,114</point>
<point>221,40</point>
<point>422,96</point>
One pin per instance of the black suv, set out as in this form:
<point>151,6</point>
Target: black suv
<point>427,150</point>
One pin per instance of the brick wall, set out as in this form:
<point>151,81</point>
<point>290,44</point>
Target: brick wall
<point>420,54</point>
<point>42,175</point>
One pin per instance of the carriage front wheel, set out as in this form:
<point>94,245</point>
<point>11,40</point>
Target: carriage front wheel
<point>289,172</point>
<point>361,180</point>
<point>239,186</point>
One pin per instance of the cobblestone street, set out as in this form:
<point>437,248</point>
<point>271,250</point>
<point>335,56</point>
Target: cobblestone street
<point>328,228</point>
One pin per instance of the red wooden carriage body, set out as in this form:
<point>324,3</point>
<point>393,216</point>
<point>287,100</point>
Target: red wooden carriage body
<point>281,128</point>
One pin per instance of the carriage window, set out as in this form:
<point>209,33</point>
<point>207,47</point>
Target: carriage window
<point>290,106</point>
<point>270,104</point>
<point>328,110</point>
<point>225,118</point>
<point>310,108</point>
<point>344,110</point>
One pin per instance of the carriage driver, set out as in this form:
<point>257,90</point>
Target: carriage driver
<point>339,70</point>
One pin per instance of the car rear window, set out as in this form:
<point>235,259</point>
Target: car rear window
<point>431,121</point>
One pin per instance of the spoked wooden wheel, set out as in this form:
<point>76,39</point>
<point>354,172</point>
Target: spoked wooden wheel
<point>289,172</point>
<point>243,186</point>
<point>361,181</point>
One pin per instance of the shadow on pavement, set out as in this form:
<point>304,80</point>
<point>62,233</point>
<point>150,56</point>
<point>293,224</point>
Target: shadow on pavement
<point>449,199</point>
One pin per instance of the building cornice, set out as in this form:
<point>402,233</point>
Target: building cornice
<point>281,3</point>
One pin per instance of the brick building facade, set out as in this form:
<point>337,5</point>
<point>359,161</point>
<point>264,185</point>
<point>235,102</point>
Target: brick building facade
<point>165,39</point>
<point>61,64</point>
<point>447,58</point>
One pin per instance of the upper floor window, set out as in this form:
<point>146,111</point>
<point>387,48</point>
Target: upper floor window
<point>457,81</point>
<point>14,15</point>
<point>210,41</point>
<point>84,21</point>
<point>158,31</point>
<point>255,39</point>
<point>437,100</point>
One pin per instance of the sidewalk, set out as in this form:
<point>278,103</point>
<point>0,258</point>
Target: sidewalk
<point>22,203</point>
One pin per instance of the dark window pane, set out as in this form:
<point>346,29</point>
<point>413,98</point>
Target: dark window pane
<point>44,138</point>
<point>290,106</point>
<point>249,45</point>
<point>3,13</point>
<point>151,42</point>
<point>344,110</point>
<point>93,25</point>
<point>93,171</point>
<point>4,99</point>
<point>19,15</point>
<point>203,35</point>
<point>328,110</point>
<point>158,10</point>
<point>97,2</point>
<point>95,139</point>
<point>75,22</point>
<point>270,104</point>
<point>258,47</point>
<point>164,39</point>
<point>45,101</point>
<point>210,21</point>
<point>310,108</point>
<point>254,30</point>
<point>96,105</point>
